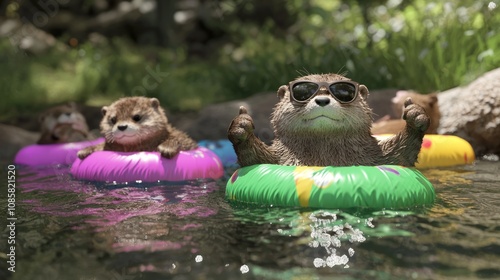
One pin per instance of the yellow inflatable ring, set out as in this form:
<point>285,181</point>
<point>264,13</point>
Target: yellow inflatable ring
<point>442,151</point>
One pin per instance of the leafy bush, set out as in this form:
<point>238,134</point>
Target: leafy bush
<point>420,45</point>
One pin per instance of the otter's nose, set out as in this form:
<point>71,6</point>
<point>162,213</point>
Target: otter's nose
<point>322,100</point>
<point>122,127</point>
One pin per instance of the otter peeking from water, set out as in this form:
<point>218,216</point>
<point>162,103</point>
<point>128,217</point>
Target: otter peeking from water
<point>133,124</point>
<point>324,120</point>
<point>427,101</point>
<point>63,124</point>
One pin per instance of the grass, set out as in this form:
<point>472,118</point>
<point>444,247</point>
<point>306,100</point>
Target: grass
<point>422,46</point>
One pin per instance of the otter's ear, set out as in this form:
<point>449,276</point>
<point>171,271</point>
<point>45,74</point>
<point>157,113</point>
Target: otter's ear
<point>104,110</point>
<point>400,96</point>
<point>363,90</point>
<point>433,99</point>
<point>282,91</point>
<point>155,102</point>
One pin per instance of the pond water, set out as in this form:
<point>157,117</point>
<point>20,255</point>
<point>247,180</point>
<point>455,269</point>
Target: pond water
<point>70,229</point>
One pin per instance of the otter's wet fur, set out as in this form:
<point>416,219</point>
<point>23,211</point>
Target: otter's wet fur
<point>133,124</point>
<point>330,135</point>
<point>63,124</point>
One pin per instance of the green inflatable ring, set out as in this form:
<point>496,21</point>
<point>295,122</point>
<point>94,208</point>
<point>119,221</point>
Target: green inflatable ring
<point>384,186</point>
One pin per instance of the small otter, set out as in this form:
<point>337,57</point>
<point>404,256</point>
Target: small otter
<point>66,133</point>
<point>323,120</point>
<point>133,124</point>
<point>427,101</point>
<point>63,124</point>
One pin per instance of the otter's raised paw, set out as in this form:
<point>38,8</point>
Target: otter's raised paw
<point>241,127</point>
<point>83,153</point>
<point>415,116</point>
<point>168,151</point>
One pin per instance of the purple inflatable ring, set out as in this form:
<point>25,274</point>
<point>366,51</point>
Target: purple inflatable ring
<point>109,166</point>
<point>49,154</point>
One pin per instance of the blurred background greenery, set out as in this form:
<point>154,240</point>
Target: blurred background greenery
<point>190,53</point>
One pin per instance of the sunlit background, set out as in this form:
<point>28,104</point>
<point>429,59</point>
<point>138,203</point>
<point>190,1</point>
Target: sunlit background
<point>193,53</point>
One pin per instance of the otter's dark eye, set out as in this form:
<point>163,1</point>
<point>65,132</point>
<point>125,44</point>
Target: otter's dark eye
<point>304,91</point>
<point>113,120</point>
<point>136,118</point>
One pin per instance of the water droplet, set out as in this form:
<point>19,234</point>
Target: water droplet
<point>319,262</point>
<point>351,252</point>
<point>244,269</point>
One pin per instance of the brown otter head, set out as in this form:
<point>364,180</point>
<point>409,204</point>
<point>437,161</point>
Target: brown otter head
<point>132,121</point>
<point>63,114</point>
<point>62,124</point>
<point>326,104</point>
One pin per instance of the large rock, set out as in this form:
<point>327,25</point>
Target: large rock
<point>13,139</point>
<point>381,103</point>
<point>473,113</point>
<point>213,121</point>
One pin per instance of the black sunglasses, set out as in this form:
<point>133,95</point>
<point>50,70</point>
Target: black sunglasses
<point>343,91</point>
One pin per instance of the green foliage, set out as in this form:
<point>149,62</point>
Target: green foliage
<point>423,46</point>
<point>420,45</point>
<point>97,76</point>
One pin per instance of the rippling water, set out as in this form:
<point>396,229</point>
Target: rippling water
<point>69,229</point>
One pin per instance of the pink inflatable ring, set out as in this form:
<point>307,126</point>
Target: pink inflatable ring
<point>49,154</point>
<point>109,166</point>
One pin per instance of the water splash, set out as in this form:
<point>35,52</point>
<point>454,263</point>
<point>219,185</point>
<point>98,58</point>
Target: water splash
<point>328,232</point>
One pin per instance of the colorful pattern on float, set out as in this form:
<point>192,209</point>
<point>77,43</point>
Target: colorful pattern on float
<point>442,151</point>
<point>378,187</point>
<point>49,154</point>
<point>109,166</point>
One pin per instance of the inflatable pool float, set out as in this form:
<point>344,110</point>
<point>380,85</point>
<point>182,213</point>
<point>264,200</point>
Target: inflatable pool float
<point>223,149</point>
<point>109,166</point>
<point>49,154</point>
<point>442,151</point>
<point>381,187</point>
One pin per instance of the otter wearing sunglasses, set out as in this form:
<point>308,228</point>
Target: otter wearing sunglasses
<point>324,120</point>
